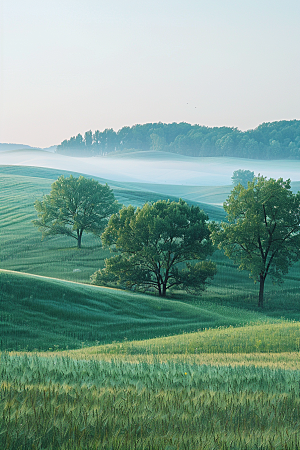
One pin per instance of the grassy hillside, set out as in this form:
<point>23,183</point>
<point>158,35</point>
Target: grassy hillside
<point>196,373</point>
<point>22,248</point>
<point>126,192</point>
<point>210,195</point>
<point>39,312</point>
<point>254,338</point>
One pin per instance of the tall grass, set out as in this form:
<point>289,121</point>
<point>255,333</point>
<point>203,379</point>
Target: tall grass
<point>62,403</point>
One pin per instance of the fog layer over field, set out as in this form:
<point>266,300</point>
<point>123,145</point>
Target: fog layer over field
<point>154,167</point>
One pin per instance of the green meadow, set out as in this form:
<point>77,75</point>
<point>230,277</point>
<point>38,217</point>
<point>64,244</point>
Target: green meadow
<point>88,367</point>
<point>41,313</point>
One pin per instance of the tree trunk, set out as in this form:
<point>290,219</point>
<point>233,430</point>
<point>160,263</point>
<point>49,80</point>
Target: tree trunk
<point>79,236</point>
<point>159,288</point>
<point>261,291</point>
<point>162,289</point>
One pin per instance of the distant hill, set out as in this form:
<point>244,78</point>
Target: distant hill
<point>208,199</point>
<point>8,147</point>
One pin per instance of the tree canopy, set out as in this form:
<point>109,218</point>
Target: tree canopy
<point>271,140</point>
<point>157,247</point>
<point>242,176</point>
<point>74,206</point>
<point>262,235</point>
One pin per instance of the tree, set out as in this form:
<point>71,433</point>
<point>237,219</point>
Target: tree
<point>73,206</point>
<point>88,139</point>
<point>157,246</point>
<point>243,177</point>
<point>158,142</point>
<point>262,234</point>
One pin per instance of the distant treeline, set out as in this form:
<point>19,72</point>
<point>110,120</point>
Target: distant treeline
<point>273,140</point>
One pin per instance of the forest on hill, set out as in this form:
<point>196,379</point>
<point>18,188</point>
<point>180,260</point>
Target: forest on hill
<point>272,140</point>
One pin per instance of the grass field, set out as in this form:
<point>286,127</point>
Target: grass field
<point>111,369</point>
<point>89,400</point>
<point>22,249</point>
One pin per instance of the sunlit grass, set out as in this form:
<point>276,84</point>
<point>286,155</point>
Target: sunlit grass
<point>284,360</point>
<point>262,338</point>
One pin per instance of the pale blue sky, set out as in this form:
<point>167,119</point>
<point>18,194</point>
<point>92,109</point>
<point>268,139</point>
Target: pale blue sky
<point>68,66</point>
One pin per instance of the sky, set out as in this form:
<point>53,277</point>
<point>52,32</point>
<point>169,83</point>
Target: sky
<point>69,66</point>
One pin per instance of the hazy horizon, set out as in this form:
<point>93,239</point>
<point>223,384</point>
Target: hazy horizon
<point>69,66</point>
<point>54,145</point>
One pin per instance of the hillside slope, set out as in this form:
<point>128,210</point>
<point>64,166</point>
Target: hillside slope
<point>126,192</point>
<point>22,249</point>
<point>40,312</point>
<point>21,246</point>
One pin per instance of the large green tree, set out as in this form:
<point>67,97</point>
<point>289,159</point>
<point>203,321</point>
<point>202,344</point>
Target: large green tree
<point>74,206</point>
<point>262,234</point>
<point>157,247</point>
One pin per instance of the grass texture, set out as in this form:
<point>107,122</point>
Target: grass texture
<point>278,337</point>
<point>61,402</point>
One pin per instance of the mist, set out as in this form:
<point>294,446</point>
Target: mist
<point>161,168</point>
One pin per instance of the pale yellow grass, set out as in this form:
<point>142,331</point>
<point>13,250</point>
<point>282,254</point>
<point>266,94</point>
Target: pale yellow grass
<point>287,360</point>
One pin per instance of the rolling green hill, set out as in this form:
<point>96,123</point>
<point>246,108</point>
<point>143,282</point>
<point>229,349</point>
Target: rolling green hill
<point>22,249</point>
<point>40,312</point>
<point>210,195</point>
<point>21,246</point>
